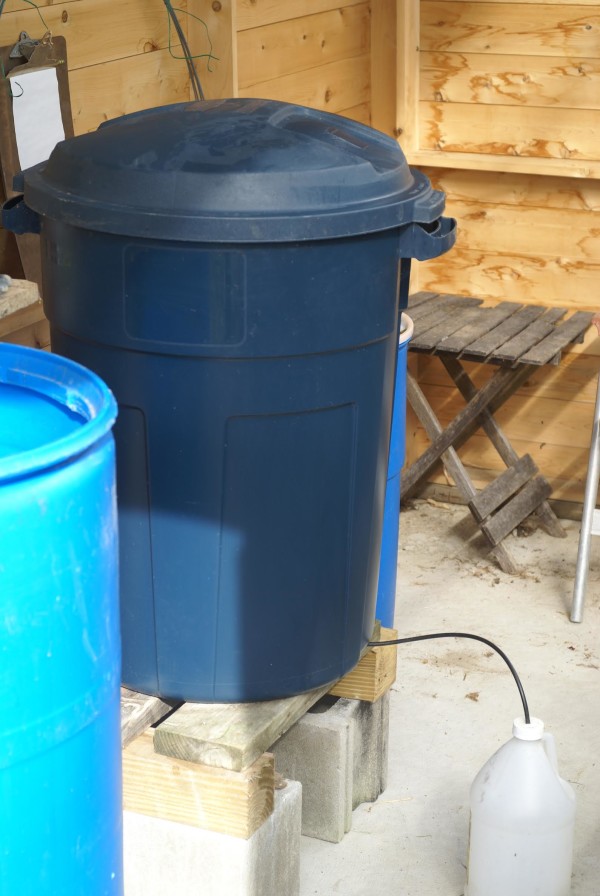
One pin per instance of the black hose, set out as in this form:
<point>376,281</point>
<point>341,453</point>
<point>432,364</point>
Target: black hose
<point>472,638</point>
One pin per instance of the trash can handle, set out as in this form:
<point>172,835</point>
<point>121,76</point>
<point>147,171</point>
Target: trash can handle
<point>423,241</point>
<point>18,217</point>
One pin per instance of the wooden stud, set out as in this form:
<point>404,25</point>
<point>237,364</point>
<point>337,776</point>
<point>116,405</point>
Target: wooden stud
<point>214,799</point>
<point>373,675</point>
<point>138,712</point>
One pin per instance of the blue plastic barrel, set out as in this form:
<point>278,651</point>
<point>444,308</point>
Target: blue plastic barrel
<point>386,589</point>
<point>60,778</point>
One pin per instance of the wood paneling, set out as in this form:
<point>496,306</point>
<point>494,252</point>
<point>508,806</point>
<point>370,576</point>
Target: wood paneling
<point>255,13</point>
<point>282,48</point>
<point>558,82</point>
<point>334,87</point>
<point>514,131</point>
<point>101,92</point>
<point>528,29</point>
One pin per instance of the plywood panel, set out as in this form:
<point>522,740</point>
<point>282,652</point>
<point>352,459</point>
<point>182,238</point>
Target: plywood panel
<point>337,86</point>
<point>558,82</point>
<point>572,234</point>
<point>518,277</point>
<point>255,13</point>
<point>279,49</point>
<point>101,92</point>
<point>552,194</point>
<point>531,131</point>
<point>529,29</point>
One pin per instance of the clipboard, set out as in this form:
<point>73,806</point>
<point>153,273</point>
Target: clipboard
<point>49,52</point>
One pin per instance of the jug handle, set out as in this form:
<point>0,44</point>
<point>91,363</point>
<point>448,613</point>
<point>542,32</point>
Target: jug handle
<point>550,748</point>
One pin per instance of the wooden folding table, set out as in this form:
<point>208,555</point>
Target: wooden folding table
<point>514,338</point>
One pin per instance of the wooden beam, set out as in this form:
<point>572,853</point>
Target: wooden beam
<point>374,674</point>
<point>407,100</point>
<point>214,799</point>
<point>383,66</point>
<point>219,77</point>
<point>139,712</point>
<point>230,735</point>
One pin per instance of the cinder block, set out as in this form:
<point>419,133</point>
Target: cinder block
<point>339,753</point>
<point>168,857</point>
<point>317,751</point>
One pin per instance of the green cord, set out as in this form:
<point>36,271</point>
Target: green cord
<point>210,55</point>
<point>29,3</point>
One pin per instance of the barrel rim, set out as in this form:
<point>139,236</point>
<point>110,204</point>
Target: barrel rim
<point>71,385</point>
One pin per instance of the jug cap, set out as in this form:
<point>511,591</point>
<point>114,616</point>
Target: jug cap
<point>532,731</point>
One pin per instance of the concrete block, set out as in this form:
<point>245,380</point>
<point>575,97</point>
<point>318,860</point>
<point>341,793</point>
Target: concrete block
<point>168,857</point>
<point>339,753</point>
<point>317,751</point>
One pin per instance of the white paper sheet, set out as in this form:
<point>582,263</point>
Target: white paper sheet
<point>36,111</point>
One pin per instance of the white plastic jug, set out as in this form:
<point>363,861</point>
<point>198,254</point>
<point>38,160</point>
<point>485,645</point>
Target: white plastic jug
<point>522,820</point>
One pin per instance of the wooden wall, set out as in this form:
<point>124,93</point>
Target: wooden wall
<point>501,108</point>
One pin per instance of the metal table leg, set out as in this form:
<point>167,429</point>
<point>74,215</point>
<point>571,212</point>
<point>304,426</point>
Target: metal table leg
<point>589,526</point>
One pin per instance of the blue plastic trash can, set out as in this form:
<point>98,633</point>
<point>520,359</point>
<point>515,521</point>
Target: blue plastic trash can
<point>230,268</point>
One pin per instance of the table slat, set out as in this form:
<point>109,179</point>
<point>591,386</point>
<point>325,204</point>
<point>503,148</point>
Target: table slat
<point>485,346</point>
<point>571,330</point>
<point>431,334</point>
<point>530,336</point>
<point>486,320</point>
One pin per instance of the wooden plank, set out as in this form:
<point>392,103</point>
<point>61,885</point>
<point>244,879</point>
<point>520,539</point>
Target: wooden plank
<point>361,113</point>
<point>475,192</point>
<point>518,509</point>
<point>383,52</point>
<point>486,345</point>
<point>282,48</point>
<point>254,13</point>
<point>502,488</point>
<point>569,331</point>
<point>486,78</point>
<point>35,335</point>
<point>21,296</point>
<point>528,131</point>
<point>218,76</point>
<point>417,298</point>
<point>94,34</point>
<point>430,337</point>
<point>101,92</point>
<point>230,735</point>
<point>408,28</point>
<point>566,233</point>
<point>487,319</point>
<point>516,276</point>
<point>139,712</point>
<point>501,164</point>
<point>332,87</point>
<point>513,349</point>
<point>428,315</point>
<point>534,29</point>
<point>374,674</point>
<point>215,799</point>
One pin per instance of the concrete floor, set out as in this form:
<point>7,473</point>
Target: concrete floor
<point>453,704</point>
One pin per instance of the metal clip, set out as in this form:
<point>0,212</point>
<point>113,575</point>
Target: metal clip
<point>24,47</point>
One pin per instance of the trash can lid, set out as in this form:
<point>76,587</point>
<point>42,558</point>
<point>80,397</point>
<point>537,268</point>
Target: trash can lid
<point>235,170</point>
